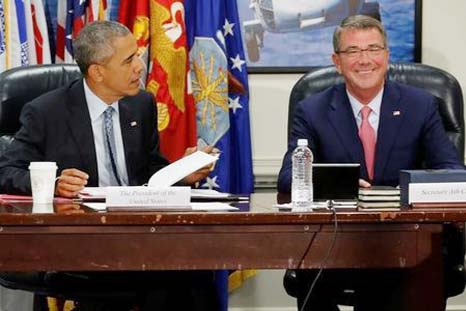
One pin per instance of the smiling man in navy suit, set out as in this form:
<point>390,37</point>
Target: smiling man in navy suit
<point>383,125</point>
<point>405,120</point>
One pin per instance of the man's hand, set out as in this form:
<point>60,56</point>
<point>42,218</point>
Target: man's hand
<point>70,182</point>
<point>364,184</point>
<point>200,173</point>
<point>68,209</point>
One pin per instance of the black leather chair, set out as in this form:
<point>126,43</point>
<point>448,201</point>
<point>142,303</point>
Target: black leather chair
<point>450,98</point>
<point>22,84</point>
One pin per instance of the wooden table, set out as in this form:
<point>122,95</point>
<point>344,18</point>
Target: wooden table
<point>75,239</point>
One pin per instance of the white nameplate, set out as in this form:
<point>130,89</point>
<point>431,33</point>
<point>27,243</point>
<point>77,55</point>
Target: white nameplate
<point>148,196</point>
<point>437,192</point>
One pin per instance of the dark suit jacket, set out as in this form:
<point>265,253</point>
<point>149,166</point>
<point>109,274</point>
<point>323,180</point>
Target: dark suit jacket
<point>57,127</point>
<point>410,134</point>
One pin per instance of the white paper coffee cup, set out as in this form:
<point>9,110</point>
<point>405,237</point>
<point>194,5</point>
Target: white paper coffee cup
<point>42,208</point>
<point>43,181</point>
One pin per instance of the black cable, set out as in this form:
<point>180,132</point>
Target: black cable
<point>327,256</point>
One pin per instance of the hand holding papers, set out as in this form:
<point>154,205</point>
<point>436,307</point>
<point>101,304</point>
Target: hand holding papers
<point>178,170</point>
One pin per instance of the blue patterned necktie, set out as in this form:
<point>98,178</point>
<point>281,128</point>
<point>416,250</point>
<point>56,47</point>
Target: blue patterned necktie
<point>110,144</point>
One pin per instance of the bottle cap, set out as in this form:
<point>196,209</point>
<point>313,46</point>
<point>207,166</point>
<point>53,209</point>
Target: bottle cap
<point>302,142</point>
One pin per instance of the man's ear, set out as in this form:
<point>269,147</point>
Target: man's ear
<point>94,73</point>
<point>336,62</point>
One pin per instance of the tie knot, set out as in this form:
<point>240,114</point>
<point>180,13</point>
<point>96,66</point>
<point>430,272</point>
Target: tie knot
<point>108,112</point>
<point>365,111</point>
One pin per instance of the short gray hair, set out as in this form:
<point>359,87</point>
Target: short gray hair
<point>94,43</point>
<point>358,22</point>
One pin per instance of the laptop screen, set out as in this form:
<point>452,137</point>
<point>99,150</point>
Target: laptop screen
<point>335,181</point>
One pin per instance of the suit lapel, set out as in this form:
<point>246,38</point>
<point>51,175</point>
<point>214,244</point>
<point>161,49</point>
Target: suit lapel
<point>391,117</point>
<point>81,130</point>
<point>128,132</point>
<point>341,117</point>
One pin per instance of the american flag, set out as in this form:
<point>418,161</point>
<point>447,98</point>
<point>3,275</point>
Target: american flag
<point>72,15</point>
<point>40,47</point>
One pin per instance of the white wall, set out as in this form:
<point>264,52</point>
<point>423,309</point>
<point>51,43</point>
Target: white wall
<point>443,36</point>
<point>444,46</point>
<point>269,112</point>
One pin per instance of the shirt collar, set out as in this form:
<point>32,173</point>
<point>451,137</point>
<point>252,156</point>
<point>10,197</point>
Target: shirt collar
<point>95,105</point>
<point>374,104</point>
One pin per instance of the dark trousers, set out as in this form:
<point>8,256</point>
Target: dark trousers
<point>158,290</point>
<point>367,290</point>
<point>123,291</point>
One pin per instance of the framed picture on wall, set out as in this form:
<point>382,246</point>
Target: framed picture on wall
<point>296,35</point>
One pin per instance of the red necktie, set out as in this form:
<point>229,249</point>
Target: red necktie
<point>367,136</point>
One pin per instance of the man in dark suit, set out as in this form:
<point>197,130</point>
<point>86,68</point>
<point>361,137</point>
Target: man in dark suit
<point>385,126</point>
<point>69,126</point>
<point>65,125</point>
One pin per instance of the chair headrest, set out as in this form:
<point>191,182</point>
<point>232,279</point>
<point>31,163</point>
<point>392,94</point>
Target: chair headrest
<point>20,85</point>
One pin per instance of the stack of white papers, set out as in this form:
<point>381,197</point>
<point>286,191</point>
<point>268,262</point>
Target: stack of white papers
<point>93,193</point>
<point>208,194</point>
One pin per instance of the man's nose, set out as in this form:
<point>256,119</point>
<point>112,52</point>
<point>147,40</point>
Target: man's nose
<point>364,57</point>
<point>139,66</point>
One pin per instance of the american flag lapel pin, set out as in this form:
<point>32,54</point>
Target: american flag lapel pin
<point>133,124</point>
<point>396,113</point>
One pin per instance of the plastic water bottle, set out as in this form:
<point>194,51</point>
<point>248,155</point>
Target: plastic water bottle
<point>301,183</point>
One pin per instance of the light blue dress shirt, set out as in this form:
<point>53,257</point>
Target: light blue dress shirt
<point>96,111</point>
<point>374,104</point>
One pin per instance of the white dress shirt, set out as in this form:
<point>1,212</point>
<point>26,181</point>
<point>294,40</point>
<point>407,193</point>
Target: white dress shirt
<point>96,111</point>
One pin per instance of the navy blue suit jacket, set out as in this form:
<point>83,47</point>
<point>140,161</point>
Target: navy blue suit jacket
<point>57,127</point>
<point>410,134</point>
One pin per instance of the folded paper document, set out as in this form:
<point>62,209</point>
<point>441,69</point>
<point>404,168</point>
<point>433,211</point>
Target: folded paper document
<point>176,171</point>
